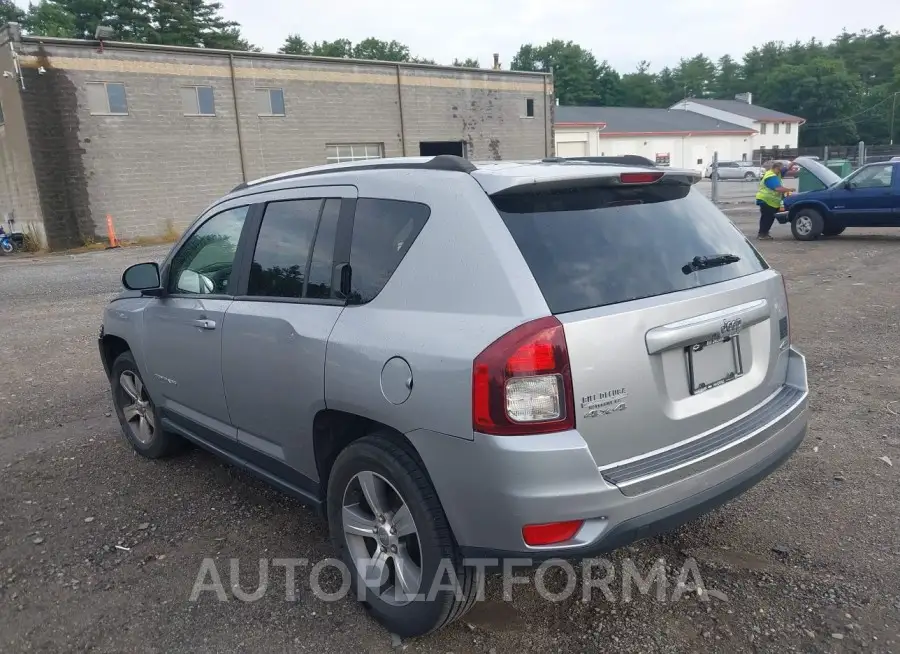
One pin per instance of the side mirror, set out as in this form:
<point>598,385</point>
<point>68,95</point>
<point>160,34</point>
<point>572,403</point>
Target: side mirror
<point>848,186</point>
<point>142,277</point>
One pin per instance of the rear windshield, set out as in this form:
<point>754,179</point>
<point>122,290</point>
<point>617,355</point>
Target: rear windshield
<point>590,247</point>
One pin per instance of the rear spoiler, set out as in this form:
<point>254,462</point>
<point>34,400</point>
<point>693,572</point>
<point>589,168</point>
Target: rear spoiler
<point>580,177</point>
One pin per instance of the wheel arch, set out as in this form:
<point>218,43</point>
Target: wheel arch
<point>111,347</point>
<point>821,207</point>
<point>334,431</point>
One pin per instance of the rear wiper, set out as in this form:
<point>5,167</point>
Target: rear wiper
<point>711,261</point>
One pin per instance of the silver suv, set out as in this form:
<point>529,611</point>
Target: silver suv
<point>457,362</point>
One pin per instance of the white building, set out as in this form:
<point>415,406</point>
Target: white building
<point>773,129</point>
<point>682,139</point>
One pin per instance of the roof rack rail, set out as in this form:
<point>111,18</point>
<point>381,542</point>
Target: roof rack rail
<point>447,162</point>
<point>625,159</point>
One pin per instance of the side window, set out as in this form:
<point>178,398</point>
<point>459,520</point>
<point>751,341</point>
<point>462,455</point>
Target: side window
<point>281,258</point>
<point>873,177</point>
<point>203,264</point>
<point>383,231</point>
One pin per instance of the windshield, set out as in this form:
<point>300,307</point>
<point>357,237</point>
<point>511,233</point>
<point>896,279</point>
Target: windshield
<point>591,247</point>
<point>825,175</point>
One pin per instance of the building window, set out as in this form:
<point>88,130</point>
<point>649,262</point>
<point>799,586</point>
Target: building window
<point>787,128</point>
<point>198,101</point>
<point>270,102</point>
<point>762,128</point>
<point>529,108</point>
<point>776,125</point>
<point>354,152</point>
<point>107,99</point>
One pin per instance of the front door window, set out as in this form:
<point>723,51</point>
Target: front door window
<point>204,263</point>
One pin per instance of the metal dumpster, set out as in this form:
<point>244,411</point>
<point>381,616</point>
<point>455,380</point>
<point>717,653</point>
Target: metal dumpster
<point>842,167</point>
<point>806,181</point>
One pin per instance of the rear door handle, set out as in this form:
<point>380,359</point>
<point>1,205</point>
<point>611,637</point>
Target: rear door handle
<point>205,324</point>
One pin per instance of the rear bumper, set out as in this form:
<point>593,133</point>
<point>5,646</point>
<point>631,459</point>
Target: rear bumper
<point>491,487</point>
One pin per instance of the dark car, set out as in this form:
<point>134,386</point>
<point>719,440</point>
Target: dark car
<point>868,197</point>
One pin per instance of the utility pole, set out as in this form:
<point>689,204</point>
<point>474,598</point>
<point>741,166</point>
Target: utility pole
<point>893,108</point>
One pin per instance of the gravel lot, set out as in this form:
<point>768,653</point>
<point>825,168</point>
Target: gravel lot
<point>809,560</point>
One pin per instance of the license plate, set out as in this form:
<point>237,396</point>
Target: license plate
<point>713,363</point>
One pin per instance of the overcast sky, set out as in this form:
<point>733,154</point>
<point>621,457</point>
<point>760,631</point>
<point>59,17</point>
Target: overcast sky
<point>621,31</point>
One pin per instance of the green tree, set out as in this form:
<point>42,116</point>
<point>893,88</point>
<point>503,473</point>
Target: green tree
<point>696,77</point>
<point>669,87</point>
<point>729,79</point>
<point>642,89</point>
<point>337,48</point>
<point>578,78</point>
<point>10,12</point>
<point>194,23</point>
<point>824,92</point>
<point>132,20</point>
<point>88,14</point>
<point>295,44</point>
<point>48,18</point>
<point>468,62</point>
<point>379,50</point>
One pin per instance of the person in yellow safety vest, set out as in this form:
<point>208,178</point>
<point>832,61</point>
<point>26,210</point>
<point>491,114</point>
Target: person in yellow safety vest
<point>769,198</point>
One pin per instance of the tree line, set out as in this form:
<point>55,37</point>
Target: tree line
<point>845,88</point>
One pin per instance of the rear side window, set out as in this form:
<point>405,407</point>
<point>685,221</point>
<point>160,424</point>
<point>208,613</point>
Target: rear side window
<point>383,231</point>
<point>590,247</point>
<point>282,260</point>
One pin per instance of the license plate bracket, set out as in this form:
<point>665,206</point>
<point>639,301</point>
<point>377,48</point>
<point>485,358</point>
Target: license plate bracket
<point>713,363</point>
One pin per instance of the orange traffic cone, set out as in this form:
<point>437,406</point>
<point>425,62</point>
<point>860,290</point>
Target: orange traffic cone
<point>111,233</point>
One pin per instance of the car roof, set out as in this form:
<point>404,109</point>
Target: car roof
<point>493,176</point>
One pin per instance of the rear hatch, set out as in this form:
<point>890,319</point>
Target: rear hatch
<point>674,323</point>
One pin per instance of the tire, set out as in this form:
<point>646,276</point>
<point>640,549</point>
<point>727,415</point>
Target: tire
<point>749,176</point>
<point>384,463</point>
<point>833,230</point>
<point>807,225</point>
<point>143,429</point>
<point>6,247</point>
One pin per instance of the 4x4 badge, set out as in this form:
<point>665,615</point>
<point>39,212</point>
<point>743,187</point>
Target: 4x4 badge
<point>603,411</point>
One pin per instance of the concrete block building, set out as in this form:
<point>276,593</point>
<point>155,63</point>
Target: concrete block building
<point>150,135</point>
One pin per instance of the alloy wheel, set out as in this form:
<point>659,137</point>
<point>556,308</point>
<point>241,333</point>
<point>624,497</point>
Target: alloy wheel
<point>136,407</point>
<point>382,538</point>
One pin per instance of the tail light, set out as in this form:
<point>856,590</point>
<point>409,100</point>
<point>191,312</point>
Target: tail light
<point>787,309</point>
<point>522,382</point>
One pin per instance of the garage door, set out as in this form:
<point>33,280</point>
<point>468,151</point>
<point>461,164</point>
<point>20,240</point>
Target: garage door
<point>572,149</point>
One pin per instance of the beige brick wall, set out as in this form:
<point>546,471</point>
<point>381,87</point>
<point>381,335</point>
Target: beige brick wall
<point>157,165</point>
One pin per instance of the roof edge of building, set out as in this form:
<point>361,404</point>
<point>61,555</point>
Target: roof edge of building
<point>277,56</point>
<point>781,117</point>
<point>686,132</point>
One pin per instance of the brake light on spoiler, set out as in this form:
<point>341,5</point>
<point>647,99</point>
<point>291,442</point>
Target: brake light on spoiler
<point>640,178</point>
